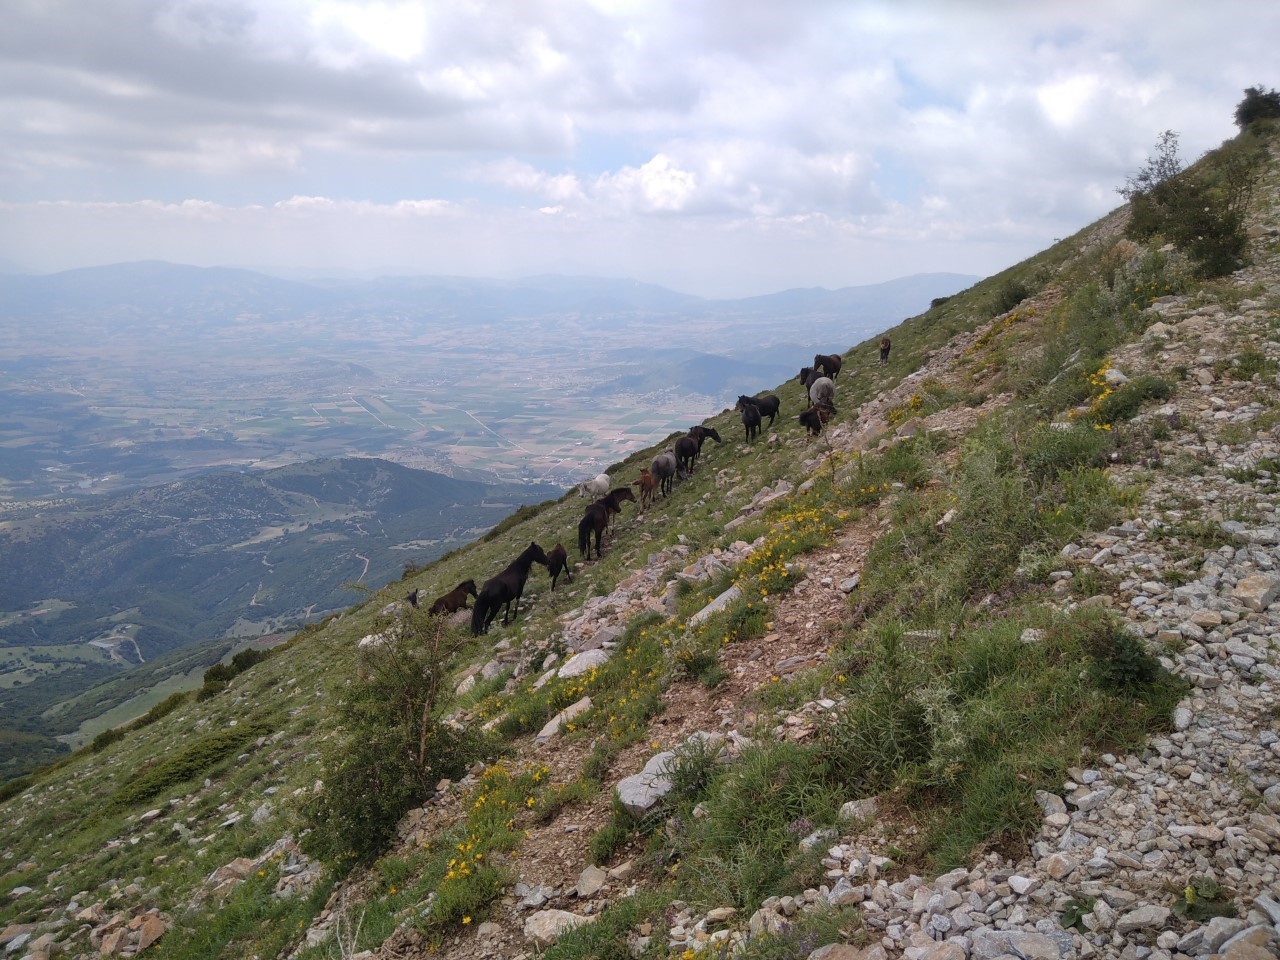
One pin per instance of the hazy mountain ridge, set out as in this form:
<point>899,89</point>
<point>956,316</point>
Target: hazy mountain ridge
<point>162,286</point>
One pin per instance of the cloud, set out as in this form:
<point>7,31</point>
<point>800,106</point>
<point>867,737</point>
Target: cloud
<point>750,140</point>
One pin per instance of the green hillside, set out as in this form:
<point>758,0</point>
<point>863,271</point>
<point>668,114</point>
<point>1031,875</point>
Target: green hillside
<point>978,641</point>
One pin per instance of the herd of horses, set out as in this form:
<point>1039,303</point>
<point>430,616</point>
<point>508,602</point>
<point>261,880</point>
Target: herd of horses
<point>503,591</point>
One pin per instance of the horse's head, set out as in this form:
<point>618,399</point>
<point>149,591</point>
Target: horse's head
<point>805,373</point>
<point>412,598</point>
<point>536,554</point>
<point>711,432</point>
<point>743,401</point>
<point>468,586</point>
<point>624,493</point>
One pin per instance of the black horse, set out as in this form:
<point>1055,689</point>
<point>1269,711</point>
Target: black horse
<point>768,405</point>
<point>702,434</point>
<point>616,497</point>
<point>455,599</point>
<point>664,469</point>
<point>504,589</point>
<point>597,519</point>
<point>751,420</point>
<point>814,419</point>
<point>558,563</point>
<point>828,363</point>
<point>686,454</point>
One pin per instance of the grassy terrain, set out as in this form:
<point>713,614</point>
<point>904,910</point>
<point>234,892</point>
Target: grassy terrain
<point>948,711</point>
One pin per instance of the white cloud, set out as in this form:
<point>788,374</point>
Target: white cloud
<point>721,143</point>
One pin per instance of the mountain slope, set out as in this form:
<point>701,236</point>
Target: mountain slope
<point>145,573</point>
<point>1048,693</point>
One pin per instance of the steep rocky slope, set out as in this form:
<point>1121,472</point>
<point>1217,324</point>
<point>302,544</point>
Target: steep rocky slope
<point>633,710</point>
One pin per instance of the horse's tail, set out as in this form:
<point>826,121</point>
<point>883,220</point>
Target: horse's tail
<point>478,611</point>
<point>584,534</point>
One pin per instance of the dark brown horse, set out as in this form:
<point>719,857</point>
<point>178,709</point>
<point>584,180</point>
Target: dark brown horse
<point>614,501</point>
<point>702,434</point>
<point>558,563</point>
<point>504,589</point>
<point>828,363</point>
<point>686,454</point>
<point>751,420</point>
<point>455,599</point>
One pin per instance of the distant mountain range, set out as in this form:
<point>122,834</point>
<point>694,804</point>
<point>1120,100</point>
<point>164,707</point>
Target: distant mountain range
<point>158,286</point>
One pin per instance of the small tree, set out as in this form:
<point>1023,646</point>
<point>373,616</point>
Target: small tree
<point>393,745</point>
<point>1200,210</point>
<point>1258,104</point>
<point>1159,171</point>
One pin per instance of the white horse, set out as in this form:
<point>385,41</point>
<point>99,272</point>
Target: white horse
<point>594,488</point>
<point>823,393</point>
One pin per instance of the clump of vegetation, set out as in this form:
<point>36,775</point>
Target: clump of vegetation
<point>1257,105</point>
<point>196,760</point>
<point>1202,899</point>
<point>1201,210</point>
<point>393,746</point>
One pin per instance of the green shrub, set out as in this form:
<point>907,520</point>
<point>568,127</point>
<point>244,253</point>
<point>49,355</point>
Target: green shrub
<point>247,658</point>
<point>1048,451</point>
<point>393,745</point>
<point>744,846</point>
<point>105,739</point>
<point>220,672</point>
<point>162,709</point>
<point>211,688</point>
<point>1201,210</point>
<point>1010,293</point>
<point>1257,104</point>
<point>193,761</point>
<point>1124,402</point>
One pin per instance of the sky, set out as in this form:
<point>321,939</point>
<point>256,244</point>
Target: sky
<point>723,148</point>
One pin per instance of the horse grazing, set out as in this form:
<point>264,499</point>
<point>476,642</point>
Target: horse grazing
<point>597,486</point>
<point>646,485</point>
<point>751,420</point>
<point>686,453</point>
<point>828,363</point>
<point>814,419</point>
<point>455,599</point>
<point>614,500</point>
<point>702,434</point>
<point>502,590</point>
<point>558,563</point>
<point>664,468</point>
<point>768,405</point>
<point>822,393</point>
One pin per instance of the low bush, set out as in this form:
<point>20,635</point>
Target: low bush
<point>194,761</point>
